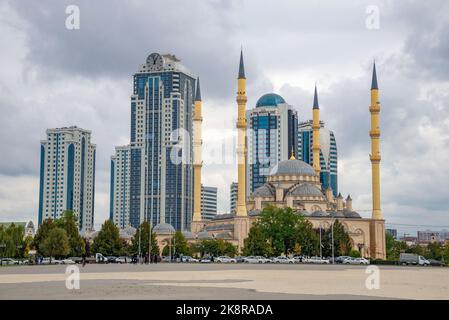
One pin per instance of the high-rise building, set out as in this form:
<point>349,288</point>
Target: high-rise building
<point>273,137</point>
<point>160,151</point>
<point>208,202</point>
<point>392,232</point>
<point>328,153</point>
<point>120,187</point>
<point>233,197</point>
<point>67,175</point>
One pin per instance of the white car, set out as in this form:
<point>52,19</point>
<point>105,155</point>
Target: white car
<point>355,261</point>
<point>263,259</point>
<point>282,259</point>
<point>225,259</point>
<point>251,259</point>
<point>67,261</point>
<point>8,261</point>
<point>53,261</point>
<point>317,260</point>
<point>205,260</point>
<point>189,259</point>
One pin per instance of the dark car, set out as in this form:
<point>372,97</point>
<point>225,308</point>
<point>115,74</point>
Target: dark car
<point>240,259</point>
<point>436,263</point>
<point>111,259</point>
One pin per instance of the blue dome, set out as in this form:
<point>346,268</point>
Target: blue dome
<point>269,100</point>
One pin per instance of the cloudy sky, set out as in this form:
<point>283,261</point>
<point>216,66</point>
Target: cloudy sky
<point>52,77</point>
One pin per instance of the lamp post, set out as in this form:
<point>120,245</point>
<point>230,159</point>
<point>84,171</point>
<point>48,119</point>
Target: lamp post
<point>321,248</point>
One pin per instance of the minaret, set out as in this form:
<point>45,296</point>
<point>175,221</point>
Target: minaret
<point>316,134</point>
<point>241,144</point>
<point>197,160</point>
<point>374,133</point>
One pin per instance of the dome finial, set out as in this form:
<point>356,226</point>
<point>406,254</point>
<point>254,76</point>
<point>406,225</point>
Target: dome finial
<point>292,157</point>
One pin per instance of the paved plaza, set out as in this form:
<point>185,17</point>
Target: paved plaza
<point>222,282</point>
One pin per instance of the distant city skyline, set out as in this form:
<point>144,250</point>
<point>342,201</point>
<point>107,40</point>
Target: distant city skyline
<point>54,77</point>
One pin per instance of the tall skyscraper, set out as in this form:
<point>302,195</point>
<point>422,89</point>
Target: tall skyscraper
<point>328,153</point>
<point>208,202</point>
<point>273,137</point>
<point>161,174</point>
<point>67,175</point>
<point>120,187</point>
<point>233,191</point>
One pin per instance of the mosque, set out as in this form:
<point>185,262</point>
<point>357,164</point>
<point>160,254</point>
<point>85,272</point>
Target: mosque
<point>291,183</point>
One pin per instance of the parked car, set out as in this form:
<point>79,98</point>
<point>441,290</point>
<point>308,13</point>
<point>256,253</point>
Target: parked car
<point>340,259</point>
<point>298,259</point>
<point>111,259</point>
<point>53,261</point>
<point>240,259</point>
<point>8,261</point>
<point>251,259</point>
<point>206,260</point>
<point>76,259</point>
<point>122,259</point>
<point>351,260</point>
<point>283,259</point>
<point>67,261</point>
<point>264,260</point>
<point>189,259</point>
<point>225,259</point>
<point>317,260</point>
<point>436,263</point>
<point>411,258</point>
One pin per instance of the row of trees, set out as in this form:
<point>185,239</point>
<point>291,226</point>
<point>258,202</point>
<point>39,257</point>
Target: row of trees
<point>281,231</point>
<point>434,250</point>
<point>13,244</point>
<point>61,238</point>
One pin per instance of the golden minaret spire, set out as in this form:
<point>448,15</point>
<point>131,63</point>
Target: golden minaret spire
<point>316,134</point>
<point>197,159</point>
<point>241,144</point>
<point>374,133</point>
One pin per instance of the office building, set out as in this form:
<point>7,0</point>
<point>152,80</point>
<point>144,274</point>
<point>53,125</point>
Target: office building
<point>208,202</point>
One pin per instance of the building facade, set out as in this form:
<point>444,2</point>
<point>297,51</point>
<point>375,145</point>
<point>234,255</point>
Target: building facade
<point>328,153</point>
<point>120,187</point>
<point>233,190</point>
<point>208,202</point>
<point>67,175</point>
<point>273,137</point>
<point>429,236</point>
<point>160,153</point>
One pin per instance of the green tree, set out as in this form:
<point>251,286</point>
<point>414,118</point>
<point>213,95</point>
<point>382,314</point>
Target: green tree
<point>180,244</point>
<point>341,241</point>
<point>306,238</point>
<point>12,241</point>
<point>107,242</point>
<point>256,243</point>
<point>144,240</point>
<point>69,223</point>
<point>434,251</point>
<point>216,247</point>
<point>42,234</point>
<point>56,244</point>
<point>279,228</point>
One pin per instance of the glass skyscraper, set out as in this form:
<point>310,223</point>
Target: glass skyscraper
<point>273,137</point>
<point>160,161</point>
<point>67,175</point>
<point>328,153</point>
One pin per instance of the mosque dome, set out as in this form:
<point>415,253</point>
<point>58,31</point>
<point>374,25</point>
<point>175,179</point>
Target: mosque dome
<point>351,214</point>
<point>164,228</point>
<point>269,100</point>
<point>306,190</point>
<point>297,167</point>
<point>263,191</point>
<point>319,214</point>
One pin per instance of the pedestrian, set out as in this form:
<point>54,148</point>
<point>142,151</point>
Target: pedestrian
<point>84,259</point>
